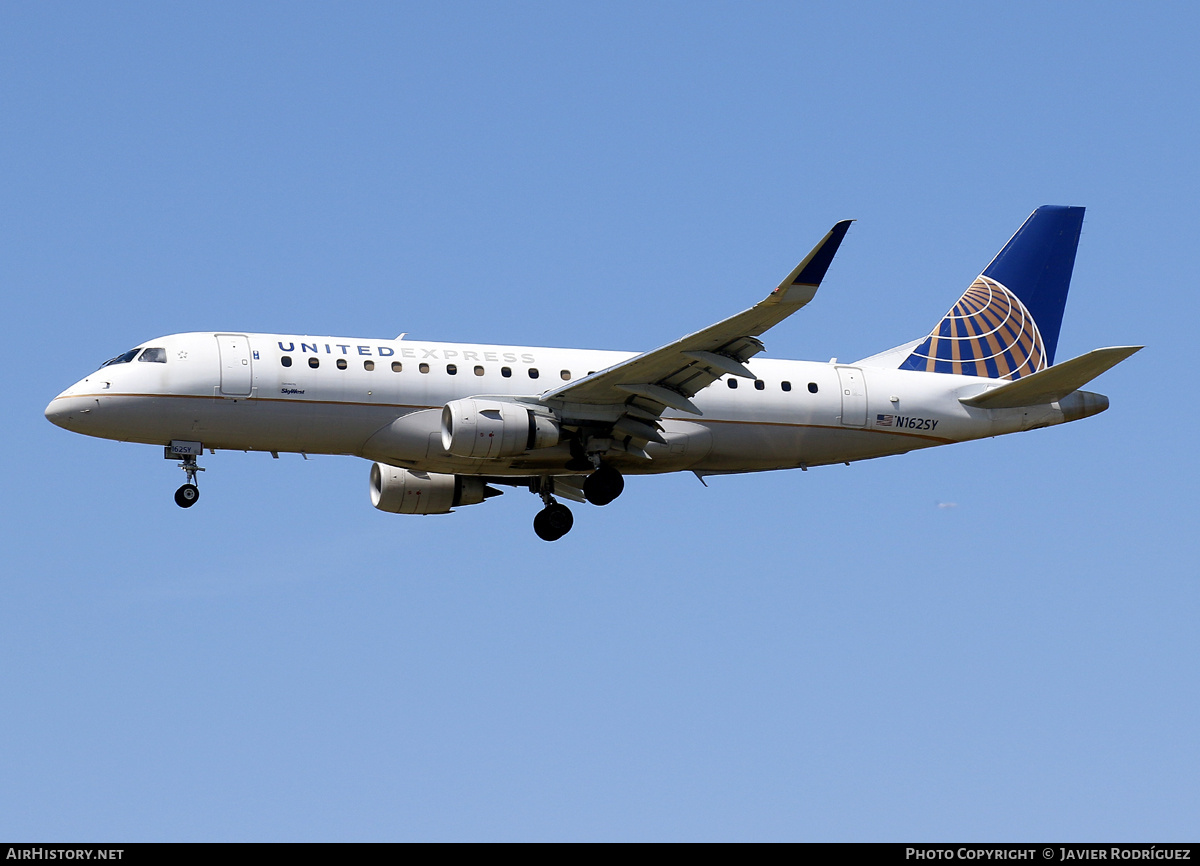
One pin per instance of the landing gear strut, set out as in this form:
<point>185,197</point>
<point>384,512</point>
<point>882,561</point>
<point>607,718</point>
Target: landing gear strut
<point>604,485</point>
<point>187,495</point>
<point>555,520</point>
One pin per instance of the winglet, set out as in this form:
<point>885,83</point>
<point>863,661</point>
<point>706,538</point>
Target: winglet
<point>809,273</point>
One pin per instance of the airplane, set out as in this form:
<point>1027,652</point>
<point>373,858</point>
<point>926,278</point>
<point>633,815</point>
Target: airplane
<point>444,424</point>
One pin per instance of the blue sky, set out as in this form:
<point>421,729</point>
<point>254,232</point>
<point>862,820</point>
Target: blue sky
<point>820,655</point>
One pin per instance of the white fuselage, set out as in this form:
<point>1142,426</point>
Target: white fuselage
<point>382,400</point>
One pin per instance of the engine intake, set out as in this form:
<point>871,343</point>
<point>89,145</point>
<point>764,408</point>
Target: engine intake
<point>488,429</point>
<point>406,491</point>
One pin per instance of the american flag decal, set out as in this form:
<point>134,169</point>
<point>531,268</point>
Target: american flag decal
<point>884,420</point>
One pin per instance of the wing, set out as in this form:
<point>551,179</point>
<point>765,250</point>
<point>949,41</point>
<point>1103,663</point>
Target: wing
<point>633,395</point>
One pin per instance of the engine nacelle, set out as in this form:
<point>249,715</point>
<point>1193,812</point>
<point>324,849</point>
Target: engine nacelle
<point>406,491</point>
<point>487,429</point>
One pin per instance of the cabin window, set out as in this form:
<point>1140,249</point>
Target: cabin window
<point>478,370</point>
<point>452,369</point>
<point>424,368</point>
<point>759,384</point>
<point>812,387</point>
<point>397,366</point>
<point>314,362</point>
<point>533,373</point>
<point>566,375</point>
<point>368,365</point>
<point>286,360</point>
<point>787,386</point>
<point>732,382</point>
<point>341,363</point>
<point>506,372</point>
<point>154,356</point>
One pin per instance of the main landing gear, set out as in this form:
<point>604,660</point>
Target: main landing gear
<point>187,495</point>
<point>555,520</point>
<point>604,485</point>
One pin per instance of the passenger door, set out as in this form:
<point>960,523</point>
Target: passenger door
<point>854,396</point>
<point>237,375</point>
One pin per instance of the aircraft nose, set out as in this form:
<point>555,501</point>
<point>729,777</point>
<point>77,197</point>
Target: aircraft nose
<point>68,410</point>
<point>57,411</point>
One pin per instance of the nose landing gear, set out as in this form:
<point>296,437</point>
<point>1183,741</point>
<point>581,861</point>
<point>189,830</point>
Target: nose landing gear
<point>187,495</point>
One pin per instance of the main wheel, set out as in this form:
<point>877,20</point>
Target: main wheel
<point>553,522</point>
<point>186,496</point>
<point>603,486</point>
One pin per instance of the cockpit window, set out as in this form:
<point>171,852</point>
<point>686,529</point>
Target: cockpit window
<point>122,359</point>
<point>154,356</point>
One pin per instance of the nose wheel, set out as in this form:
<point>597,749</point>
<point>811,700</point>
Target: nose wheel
<point>187,495</point>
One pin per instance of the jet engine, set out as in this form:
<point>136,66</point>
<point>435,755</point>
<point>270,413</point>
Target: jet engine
<point>406,491</point>
<point>486,429</point>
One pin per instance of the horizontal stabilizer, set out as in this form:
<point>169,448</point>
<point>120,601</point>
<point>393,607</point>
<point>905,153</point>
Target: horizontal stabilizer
<point>1052,383</point>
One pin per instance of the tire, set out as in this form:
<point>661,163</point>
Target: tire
<point>187,495</point>
<point>553,522</point>
<point>603,486</point>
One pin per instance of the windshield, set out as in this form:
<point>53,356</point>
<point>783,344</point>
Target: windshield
<point>122,359</point>
<point>155,356</point>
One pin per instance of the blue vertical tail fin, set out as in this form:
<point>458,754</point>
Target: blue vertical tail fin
<point>1006,324</point>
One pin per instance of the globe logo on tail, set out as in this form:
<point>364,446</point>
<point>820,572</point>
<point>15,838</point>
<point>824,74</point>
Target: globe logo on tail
<point>989,332</point>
